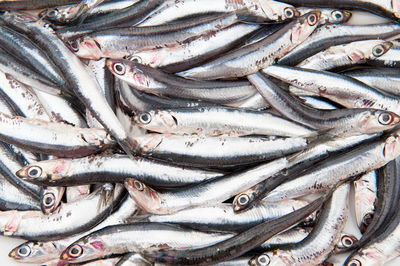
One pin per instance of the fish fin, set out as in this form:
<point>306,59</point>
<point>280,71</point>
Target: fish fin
<point>128,146</point>
<point>140,218</point>
<point>244,16</point>
<point>106,195</point>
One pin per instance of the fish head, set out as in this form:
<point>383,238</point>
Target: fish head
<point>157,120</point>
<point>130,71</point>
<point>305,25</point>
<point>86,248</point>
<point>380,49</point>
<point>277,11</point>
<point>44,171</point>
<point>391,148</point>
<point>242,201</point>
<point>374,121</point>
<point>346,242</point>
<point>50,200</point>
<point>268,259</point>
<point>85,47</point>
<point>35,252</point>
<point>145,197</point>
<point>366,257</point>
<point>336,17</point>
<point>59,14</point>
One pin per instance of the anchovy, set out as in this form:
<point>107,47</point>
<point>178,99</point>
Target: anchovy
<point>211,191</point>
<point>114,168</point>
<point>39,135</point>
<point>318,245</point>
<point>338,88</point>
<point>120,239</point>
<point>251,58</point>
<point>80,81</point>
<point>234,246</point>
<point>221,216</point>
<point>123,42</point>
<point>196,50</point>
<point>28,4</point>
<point>216,151</point>
<point>44,251</point>
<point>329,35</point>
<point>335,122</point>
<point>214,121</point>
<point>68,220</point>
<point>63,14</point>
<point>172,10</point>
<point>347,55</point>
<point>387,8</point>
<point>157,82</point>
<point>50,198</point>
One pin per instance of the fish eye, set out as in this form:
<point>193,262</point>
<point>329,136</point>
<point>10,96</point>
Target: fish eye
<point>135,59</point>
<point>49,199</point>
<point>312,19</point>
<point>385,118</point>
<point>243,199</point>
<point>378,50</point>
<point>74,45</point>
<point>337,15</point>
<point>263,260</point>
<point>289,12</point>
<point>138,185</point>
<point>347,241</point>
<point>75,251</point>
<point>34,171</point>
<point>367,219</point>
<point>52,13</point>
<point>354,262</point>
<point>145,118</point>
<point>24,251</point>
<point>119,68</point>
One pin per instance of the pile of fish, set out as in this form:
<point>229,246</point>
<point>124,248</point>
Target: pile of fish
<point>187,132</point>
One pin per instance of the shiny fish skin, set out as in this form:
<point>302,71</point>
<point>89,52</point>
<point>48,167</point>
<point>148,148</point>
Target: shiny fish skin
<point>28,4</point>
<point>330,171</point>
<point>68,141</point>
<point>75,72</point>
<point>329,35</point>
<point>365,189</point>
<point>33,225</point>
<point>318,245</point>
<point>384,79</point>
<point>157,82</point>
<point>385,8</point>
<point>210,191</point>
<point>137,237</point>
<point>132,15</point>
<point>173,10</point>
<point>114,168</point>
<point>236,245</point>
<point>44,251</point>
<point>195,51</point>
<point>216,151</point>
<point>214,121</point>
<point>347,54</point>
<point>221,216</point>
<point>249,59</point>
<point>62,14</point>
<point>341,89</point>
<point>336,122</point>
<point>103,43</point>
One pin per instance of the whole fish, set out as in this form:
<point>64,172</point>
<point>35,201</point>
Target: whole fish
<point>214,121</point>
<point>266,10</point>
<point>113,168</point>
<point>211,191</point>
<point>251,58</point>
